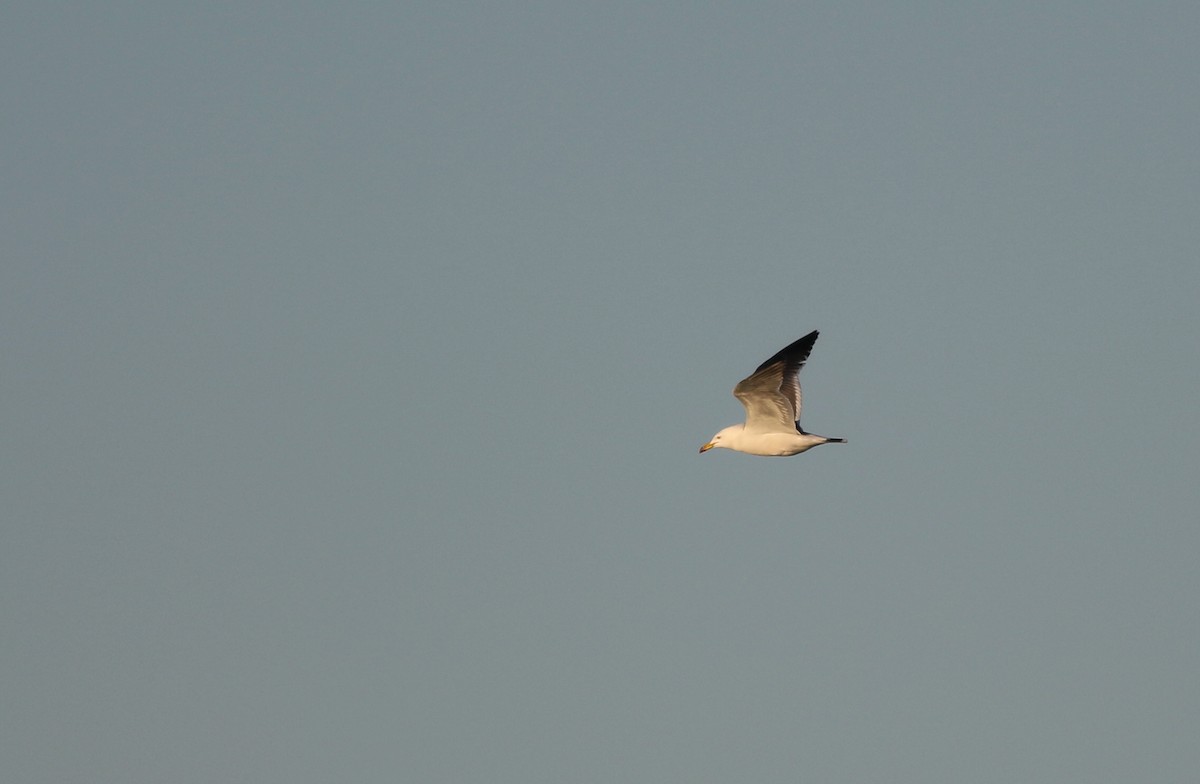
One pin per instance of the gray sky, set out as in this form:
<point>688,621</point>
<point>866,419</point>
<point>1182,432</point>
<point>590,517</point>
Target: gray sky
<point>355,361</point>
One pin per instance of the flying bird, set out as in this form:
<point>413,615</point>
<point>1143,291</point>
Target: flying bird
<point>771,396</point>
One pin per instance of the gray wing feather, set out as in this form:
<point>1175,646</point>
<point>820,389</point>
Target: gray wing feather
<point>771,394</point>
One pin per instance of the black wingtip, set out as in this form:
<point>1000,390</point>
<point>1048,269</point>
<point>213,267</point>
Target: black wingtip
<point>801,347</point>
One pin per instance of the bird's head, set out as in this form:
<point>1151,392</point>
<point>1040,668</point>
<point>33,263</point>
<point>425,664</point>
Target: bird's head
<point>721,439</point>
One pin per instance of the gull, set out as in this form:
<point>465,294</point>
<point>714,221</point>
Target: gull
<point>771,396</point>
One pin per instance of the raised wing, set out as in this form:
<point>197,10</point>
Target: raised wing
<point>771,394</point>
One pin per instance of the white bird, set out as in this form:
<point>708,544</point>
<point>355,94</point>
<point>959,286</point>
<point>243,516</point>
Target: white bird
<point>771,396</point>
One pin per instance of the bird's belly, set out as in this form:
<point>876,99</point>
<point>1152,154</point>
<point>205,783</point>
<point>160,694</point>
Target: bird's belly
<point>778,444</point>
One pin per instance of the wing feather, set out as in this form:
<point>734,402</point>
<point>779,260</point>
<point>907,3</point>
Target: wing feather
<point>771,394</point>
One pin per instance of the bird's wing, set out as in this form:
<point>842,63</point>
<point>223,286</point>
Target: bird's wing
<point>771,394</point>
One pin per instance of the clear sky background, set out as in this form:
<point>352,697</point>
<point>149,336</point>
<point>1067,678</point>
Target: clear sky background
<point>356,358</point>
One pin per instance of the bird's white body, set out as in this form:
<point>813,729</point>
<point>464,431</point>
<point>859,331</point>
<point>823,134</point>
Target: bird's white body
<point>736,437</point>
